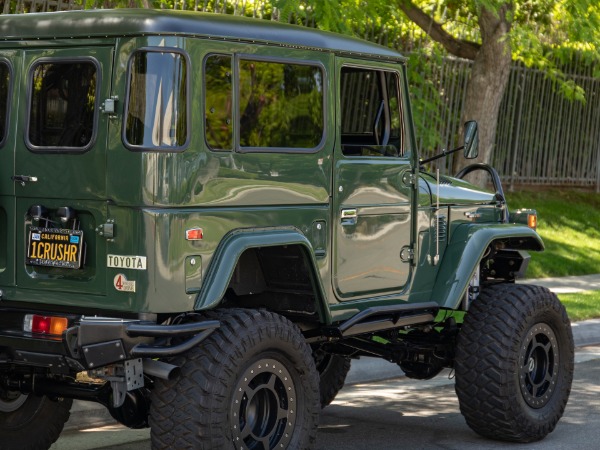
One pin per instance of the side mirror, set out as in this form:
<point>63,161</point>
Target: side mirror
<point>471,145</point>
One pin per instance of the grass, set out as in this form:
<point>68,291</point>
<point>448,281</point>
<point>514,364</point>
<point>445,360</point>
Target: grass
<point>581,305</point>
<point>568,221</point>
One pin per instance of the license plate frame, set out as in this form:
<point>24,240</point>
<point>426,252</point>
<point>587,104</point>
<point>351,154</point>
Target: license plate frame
<point>54,247</point>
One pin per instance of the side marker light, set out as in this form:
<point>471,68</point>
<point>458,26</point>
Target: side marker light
<point>194,234</point>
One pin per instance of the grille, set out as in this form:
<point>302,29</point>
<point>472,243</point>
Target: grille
<point>442,228</point>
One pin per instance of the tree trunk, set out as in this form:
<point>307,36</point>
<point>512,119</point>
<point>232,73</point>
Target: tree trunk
<point>487,82</point>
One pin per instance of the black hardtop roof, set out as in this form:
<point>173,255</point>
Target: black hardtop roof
<point>134,22</point>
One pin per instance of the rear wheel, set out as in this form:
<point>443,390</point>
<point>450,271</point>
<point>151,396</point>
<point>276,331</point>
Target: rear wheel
<point>252,384</point>
<point>332,374</point>
<point>31,421</point>
<point>514,363</point>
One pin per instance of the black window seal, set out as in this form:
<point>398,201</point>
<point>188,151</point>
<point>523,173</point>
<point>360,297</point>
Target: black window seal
<point>300,62</point>
<point>9,97</point>
<point>233,95</point>
<point>52,149</point>
<point>159,149</point>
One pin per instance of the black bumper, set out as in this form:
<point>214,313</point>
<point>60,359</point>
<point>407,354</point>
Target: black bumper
<point>93,342</point>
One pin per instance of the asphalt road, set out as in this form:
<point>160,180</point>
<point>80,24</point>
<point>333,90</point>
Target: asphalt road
<point>402,413</point>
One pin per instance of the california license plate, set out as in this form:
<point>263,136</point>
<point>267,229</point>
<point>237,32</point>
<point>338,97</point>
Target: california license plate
<point>55,247</point>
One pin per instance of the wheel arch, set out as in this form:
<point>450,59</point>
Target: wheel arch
<point>230,255</point>
<point>466,251</point>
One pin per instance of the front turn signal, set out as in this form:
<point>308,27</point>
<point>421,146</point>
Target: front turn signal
<point>532,221</point>
<point>526,217</point>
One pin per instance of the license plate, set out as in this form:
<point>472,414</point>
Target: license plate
<point>55,247</point>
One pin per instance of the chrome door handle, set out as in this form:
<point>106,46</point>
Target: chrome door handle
<point>23,179</point>
<point>349,217</point>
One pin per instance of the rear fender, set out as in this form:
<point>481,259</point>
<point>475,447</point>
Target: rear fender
<point>230,249</point>
<point>465,252</point>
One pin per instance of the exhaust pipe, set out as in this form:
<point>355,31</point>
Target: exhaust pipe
<point>160,369</point>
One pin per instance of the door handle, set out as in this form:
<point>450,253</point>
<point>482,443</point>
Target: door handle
<point>349,217</point>
<point>23,179</point>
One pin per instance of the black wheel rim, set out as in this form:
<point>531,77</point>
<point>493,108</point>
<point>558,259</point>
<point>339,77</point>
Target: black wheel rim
<point>539,365</point>
<point>263,412</point>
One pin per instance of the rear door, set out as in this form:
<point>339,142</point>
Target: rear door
<point>60,170</point>
<point>8,100</point>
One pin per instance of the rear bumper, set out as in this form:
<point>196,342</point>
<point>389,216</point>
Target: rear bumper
<point>93,342</point>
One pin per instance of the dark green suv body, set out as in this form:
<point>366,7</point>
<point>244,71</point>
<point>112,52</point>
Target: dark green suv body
<point>209,217</point>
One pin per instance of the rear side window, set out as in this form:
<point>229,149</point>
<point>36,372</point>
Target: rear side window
<point>62,105</point>
<point>157,106</point>
<point>4,96</point>
<point>280,105</point>
<point>218,102</point>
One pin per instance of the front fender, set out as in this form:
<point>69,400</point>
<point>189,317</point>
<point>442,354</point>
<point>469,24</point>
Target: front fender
<point>230,249</point>
<point>465,251</point>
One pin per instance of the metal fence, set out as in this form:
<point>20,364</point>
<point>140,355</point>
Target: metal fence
<point>542,138</point>
<point>26,6</point>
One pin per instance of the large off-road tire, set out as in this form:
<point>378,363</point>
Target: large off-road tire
<point>252,384</point>
<point>514,363</point>
<point>332,374</point>
<point>31,422</point>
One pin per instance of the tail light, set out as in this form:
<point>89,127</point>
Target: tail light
<point>51,325</point>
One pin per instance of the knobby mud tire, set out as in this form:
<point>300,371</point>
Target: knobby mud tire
<point>333,370</point>
<point>31,422</point>
<point>252,383</point>
<point>514,363</point>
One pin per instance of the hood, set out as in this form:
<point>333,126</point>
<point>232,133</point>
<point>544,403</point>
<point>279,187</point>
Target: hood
<point>452,191</point>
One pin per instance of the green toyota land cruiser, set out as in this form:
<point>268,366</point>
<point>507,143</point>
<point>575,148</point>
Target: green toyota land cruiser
<point>204,219</point>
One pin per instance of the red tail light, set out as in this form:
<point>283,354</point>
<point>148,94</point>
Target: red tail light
<point>35,323</point>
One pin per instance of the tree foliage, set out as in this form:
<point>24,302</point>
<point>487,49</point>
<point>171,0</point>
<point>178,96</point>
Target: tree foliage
<point>493,33</point>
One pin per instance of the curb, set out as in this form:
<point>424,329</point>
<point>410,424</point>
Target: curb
<point>566,285</point>
<point>586,333</point>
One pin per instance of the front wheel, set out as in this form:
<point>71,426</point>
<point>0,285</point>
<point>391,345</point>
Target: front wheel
<point>514,363</point>
<point>252,384</point>
<point>31,422</point>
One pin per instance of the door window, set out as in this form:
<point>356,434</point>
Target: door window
<point>62,105</point>
<point>371,119</point>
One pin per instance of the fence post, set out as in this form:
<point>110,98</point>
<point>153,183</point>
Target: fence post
<point>515,141</point>
<point>598,169</point>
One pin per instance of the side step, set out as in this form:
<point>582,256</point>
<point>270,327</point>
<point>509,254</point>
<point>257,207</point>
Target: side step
<point>381,318</point>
